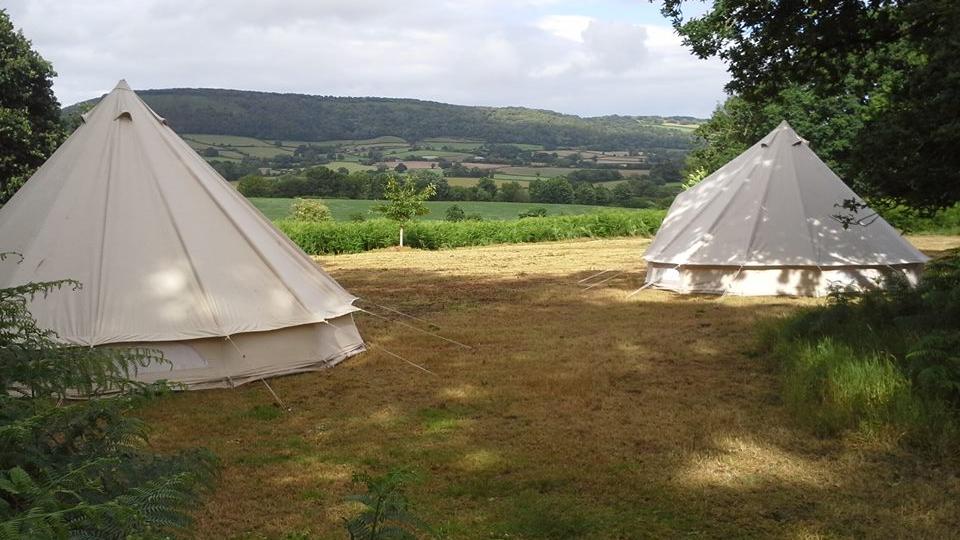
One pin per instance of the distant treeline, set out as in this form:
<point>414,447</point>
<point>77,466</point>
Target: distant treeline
<point>319,118</point>
<point>323,182</point>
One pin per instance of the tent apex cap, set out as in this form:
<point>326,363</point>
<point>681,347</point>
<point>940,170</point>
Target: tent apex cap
<point>784,125</point>
<point>122,85</point>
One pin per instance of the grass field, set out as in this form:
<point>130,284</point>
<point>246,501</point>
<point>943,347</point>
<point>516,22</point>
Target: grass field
<point>343,209</point>
<point>469,182</point>
<point>349,165</point>
<point>577,413</point>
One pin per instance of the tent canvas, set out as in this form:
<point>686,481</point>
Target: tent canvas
<point>170,256</point>
<point>762,225</point>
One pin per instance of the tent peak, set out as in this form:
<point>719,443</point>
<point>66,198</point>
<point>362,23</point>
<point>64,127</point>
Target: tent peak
<point>122,85</point>
<point>783,129</point>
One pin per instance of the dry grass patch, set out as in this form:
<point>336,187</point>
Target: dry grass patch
<point>577,414</point>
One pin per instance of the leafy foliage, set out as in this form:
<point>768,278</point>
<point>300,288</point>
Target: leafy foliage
<point>386,513</point>
<point>871,83</point>
<point>455,213</point>
<point>310,210</point>
<point>406,199</point>
<point>81,469</point>
<point>30,127</point>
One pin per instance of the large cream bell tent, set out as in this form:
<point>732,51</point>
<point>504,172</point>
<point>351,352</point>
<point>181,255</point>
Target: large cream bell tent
<point>170,257</point>
<point>763,225</point>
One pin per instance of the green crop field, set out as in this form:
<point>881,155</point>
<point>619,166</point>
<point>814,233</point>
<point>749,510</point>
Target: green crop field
<point>225,140</point>
<point>452,144</point>
<point>265,151</point>
<point>544,172</point>
<point>349,165</point>
<point>405,153</point>
<point>343,209</point>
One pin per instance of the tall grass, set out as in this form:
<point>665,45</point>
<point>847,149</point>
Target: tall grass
<point>886,363</point>
<point>355,237</point>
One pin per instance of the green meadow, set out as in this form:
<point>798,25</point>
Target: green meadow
<point>346,209</point>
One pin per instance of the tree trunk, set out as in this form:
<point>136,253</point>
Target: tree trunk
<point>401,236</point>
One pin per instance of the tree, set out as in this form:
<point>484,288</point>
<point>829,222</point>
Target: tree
<point>887,69</point>
<point>400,168</point>
<point>30,128</point>
<point>512,192</point>
<point>622,194</point>
<point>81,469</point>
<point>257,186</point>
<point>488,185</point>
<point>551,190</point>
<point>406,201</point>
<point>583,193</point>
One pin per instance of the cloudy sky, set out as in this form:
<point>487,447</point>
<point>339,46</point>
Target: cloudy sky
<point>587,57</point>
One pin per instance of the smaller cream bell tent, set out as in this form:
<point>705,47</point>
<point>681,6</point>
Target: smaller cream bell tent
<point>170,257</point>
<point>762,225</point>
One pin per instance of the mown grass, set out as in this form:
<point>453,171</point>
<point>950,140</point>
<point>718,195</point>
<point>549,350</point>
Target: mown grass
<point>319,238</point>
<point>576,414</point>
<point>346,209</point>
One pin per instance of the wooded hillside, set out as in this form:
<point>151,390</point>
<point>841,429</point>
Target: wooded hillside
<point>319,118</point>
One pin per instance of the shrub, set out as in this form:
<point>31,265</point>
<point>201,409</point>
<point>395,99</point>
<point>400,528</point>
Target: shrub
<point>385,511</point>
<point>538,211</point>
<point>312,210</point>
<point>454,213</point>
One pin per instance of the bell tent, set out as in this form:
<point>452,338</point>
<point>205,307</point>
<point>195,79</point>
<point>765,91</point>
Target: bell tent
<point>169,256</point>
<point>763,225</point>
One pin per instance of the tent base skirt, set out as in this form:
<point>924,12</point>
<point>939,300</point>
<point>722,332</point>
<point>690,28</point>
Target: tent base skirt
<point>227,362</point>
<point>775,280</point>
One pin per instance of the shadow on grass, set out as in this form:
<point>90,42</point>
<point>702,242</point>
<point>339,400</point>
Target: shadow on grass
<point>577,414</point>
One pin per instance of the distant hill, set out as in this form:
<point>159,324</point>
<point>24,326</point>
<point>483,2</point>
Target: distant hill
<point>267,115</point>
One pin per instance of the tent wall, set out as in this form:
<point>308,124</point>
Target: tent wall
<point>224,363</point>
<point>774,281</point>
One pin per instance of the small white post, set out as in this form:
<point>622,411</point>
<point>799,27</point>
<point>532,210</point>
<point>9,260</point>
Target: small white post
<point>401,236</point>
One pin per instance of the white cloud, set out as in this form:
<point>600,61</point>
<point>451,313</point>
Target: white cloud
<point>488,52</point>
<point>565,26</point>
<point>616,47</point>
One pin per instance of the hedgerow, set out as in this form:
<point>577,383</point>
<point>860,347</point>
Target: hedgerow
<point>355,237</point>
